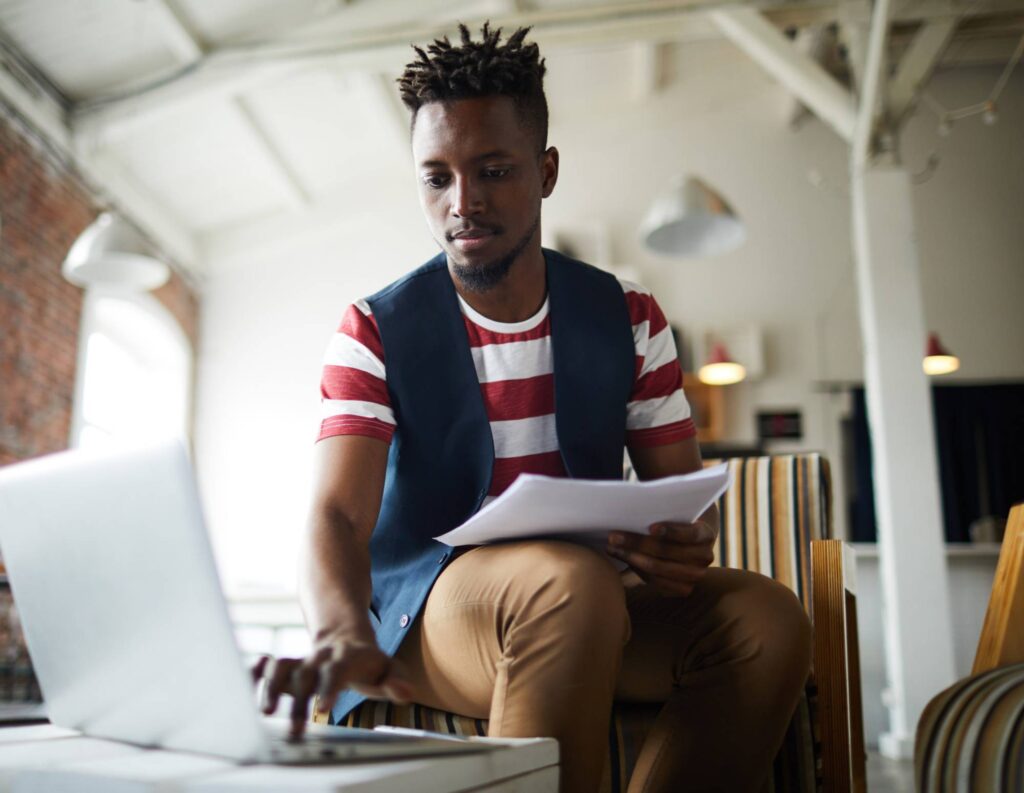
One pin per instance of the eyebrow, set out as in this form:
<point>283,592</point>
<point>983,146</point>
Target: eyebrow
<point>485,156</point>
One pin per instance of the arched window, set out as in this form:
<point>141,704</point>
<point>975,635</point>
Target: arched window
<point>134,371</point>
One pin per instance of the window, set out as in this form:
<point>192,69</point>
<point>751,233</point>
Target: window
<point>134,371</point>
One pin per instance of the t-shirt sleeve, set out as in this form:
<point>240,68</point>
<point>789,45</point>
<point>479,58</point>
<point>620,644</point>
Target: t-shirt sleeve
<point>353,385</point>
<point>658,412</point>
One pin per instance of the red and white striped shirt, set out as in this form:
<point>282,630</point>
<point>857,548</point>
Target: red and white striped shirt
<point>514,366</point>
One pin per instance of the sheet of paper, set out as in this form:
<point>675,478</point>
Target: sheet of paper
<point>585,510</point>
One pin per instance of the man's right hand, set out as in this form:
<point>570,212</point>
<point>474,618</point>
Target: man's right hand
<point>334,665</point>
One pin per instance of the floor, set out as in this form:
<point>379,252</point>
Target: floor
<point>889,776</point>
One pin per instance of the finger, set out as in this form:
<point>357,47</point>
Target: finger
<point>332,681</point>
<point>278,672</point>
<point>362,670</point>
<point>302,684</point>
<point>662,568</point>
<point>699,533</point>
<point>666,548</point>
<point>396,690</point>
<point>259,667</point>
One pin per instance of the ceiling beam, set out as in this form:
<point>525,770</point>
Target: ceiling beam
<point>980,52</point>
<point>125,194</point>
<point>916,66</point>
<point>33,101</point>
<point>226,72</point>
<point>874,86</point>
<point>182,42</point>
<point>809,41</point>
<point>285,178</point>
<point>853,33</point>
<point>103,176</point>
<point>376,94</point>
<point>805,78</point>
<point>280,232</point>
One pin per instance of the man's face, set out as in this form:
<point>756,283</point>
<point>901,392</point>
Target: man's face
<point>481,181</point>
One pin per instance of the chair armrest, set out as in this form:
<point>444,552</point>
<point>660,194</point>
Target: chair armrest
<point>837,666</point>
<point>1001,643</point>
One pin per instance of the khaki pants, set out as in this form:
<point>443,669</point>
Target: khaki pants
<point>539,636</point>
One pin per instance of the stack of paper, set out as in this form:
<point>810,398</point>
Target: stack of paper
<point>585,510</point>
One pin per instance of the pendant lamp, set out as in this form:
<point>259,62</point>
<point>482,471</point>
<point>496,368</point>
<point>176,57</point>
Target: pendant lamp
<point>720,369</point>
<point>937,359</point>
<point>692,220</point>
<point>112,253</point>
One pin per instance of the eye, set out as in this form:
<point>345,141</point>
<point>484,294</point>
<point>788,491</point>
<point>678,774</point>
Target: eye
<point>435,181</point>
<point>496,173</point>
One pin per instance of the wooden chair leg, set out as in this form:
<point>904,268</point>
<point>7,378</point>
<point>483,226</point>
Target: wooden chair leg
<point>837,667</point>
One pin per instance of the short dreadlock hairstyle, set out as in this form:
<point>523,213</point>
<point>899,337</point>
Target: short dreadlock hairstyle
<point>444,72</point>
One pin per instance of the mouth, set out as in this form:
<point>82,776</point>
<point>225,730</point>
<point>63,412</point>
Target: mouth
<point>472,239</point>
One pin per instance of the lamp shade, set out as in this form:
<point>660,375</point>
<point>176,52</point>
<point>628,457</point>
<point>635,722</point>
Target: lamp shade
<point>720,369</point>
<point>937,359</point>
<point>692,220</point>
<point>112,253</point>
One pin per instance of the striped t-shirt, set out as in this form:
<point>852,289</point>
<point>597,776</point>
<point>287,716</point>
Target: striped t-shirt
<point>514,365</point>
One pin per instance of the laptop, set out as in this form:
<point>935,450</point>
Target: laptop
<point>118,595</point>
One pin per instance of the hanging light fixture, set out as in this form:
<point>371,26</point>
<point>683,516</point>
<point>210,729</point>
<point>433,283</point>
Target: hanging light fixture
<point>112,253</point>
<point>720,368</point>
<point>692,220</point>
<point>937,359</point>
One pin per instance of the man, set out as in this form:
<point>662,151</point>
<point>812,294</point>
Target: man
<point>496,358</point>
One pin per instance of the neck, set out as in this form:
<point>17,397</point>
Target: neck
<point>520,294</point>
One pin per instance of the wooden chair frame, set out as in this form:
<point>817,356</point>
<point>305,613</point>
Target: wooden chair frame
<point>837,666</point>
<point>998,645</point>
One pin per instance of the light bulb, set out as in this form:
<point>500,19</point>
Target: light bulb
<point>940,364</point>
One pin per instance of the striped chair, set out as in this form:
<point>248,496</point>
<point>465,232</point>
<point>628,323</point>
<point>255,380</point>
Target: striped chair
<point>777,510</point>
<point>971,736</point>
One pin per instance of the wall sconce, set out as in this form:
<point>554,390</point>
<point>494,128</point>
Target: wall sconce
<point>937,359</point>
<point>112,253</point>
<point>692,220</point>
<point>720,368</point>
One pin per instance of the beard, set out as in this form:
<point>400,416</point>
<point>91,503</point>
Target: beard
<point>486,276</point>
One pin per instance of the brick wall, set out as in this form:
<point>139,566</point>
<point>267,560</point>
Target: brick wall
<point>42,209</point>
<point>44,205</point>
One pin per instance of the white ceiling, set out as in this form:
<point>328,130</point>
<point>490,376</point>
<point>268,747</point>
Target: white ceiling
<point>201,118</point>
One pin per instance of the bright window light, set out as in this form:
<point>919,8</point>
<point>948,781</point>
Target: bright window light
<point>135,366</point>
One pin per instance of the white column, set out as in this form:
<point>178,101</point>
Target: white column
<point>915,592</point>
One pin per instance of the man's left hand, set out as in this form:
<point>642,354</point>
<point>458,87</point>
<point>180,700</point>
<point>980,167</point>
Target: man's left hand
<point>673,557</point>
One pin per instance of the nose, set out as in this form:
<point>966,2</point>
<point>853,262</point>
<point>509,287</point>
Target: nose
<point>467,198</point>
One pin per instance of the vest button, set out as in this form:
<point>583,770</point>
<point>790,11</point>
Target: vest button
<point>404,620</point>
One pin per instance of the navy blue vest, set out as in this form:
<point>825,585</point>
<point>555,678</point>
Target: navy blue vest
<point>442,453</point>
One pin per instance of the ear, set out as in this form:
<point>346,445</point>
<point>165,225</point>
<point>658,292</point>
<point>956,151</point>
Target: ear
<point>549,171</point>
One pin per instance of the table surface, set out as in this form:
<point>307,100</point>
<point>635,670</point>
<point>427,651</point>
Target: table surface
<point>48,758</point>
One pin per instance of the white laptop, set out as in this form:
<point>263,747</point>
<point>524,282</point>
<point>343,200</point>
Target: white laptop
<point>115,583</point>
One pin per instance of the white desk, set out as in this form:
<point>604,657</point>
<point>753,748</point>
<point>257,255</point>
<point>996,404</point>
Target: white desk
<point>47,758</point>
